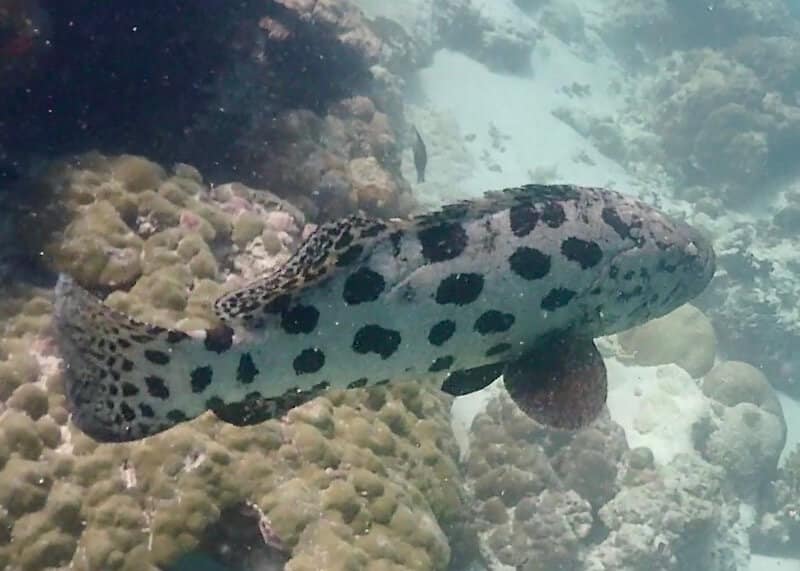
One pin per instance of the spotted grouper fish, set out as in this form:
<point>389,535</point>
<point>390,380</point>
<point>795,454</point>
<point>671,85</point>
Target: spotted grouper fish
<point>517,283</point>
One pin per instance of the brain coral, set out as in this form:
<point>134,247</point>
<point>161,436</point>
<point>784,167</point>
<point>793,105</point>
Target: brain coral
<point>362,479</point>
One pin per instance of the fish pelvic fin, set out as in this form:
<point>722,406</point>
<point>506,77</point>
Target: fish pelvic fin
<point>561,383</point>
<point>122,377</point>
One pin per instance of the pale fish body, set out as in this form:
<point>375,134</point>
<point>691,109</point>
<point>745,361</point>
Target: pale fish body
<point>472,288</point>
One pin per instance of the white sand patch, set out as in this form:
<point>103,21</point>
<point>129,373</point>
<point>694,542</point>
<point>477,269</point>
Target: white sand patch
<point>509,127</point>
<point>656,406</point>
<point>764,563</point>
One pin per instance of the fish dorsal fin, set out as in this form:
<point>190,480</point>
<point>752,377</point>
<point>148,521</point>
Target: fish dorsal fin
<point>528,195</point>
<point>332,246</point>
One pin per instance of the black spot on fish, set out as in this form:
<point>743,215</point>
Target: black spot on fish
<point>587,254</point>
<point>350,255</point>
<point>156,387</point>
<point>459,289</point>
<point>611,217</point>
<point>277,305</point>
<point>127,365</point>
<point>628,275</point>
<point>523,219</point>
<point>124,343</point>
<point>215,403</point>
<point>441,332</point>
<point>247,371</point>
<point>363,286</point>
<point>129,389</point>
<point>156,357</point>
<point>176,415</point>
<point>137,338</point>
<point>497,349</point>
<point>556,298</point>
<point>553,214</point>
<point>219,339</point>
<point>376,339</point>
<point>201,377</point>
<point>300,319</point>
<point>635,292</point>
<point>309,361</point>
<point>358,383</point>
<point>127,412</point>
<point>174,336</point>
<point>665,267</point>
<point>529,263</point>
<point>146,410</point>
<point>613,272</point>
<point>493,321</point>
<point>441,364</point>
<point>444,241</point>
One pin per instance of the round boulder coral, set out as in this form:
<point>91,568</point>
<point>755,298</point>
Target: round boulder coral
<point>745,435</point>
<point>684,337</point>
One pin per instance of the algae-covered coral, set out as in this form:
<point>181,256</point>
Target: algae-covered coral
<point>355,480</point>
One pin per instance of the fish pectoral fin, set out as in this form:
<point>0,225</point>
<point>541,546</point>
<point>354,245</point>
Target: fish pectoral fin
<point>561,383</point>
<point>465,381</point>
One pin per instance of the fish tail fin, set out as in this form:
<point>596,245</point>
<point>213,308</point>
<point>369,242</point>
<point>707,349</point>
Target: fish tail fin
<point>122,377</point>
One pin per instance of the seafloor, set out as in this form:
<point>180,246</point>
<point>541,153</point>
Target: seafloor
<point>165,154</point>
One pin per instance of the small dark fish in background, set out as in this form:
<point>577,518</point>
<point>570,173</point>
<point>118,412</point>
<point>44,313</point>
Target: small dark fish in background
<point>420,156</point>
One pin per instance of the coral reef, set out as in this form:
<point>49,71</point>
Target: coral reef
<point>672,520</point>
<point>360,479</point>
<point>231,99</point>
<point>332,147</point>
<point>497,34</point>
<point>659,27</point>
<point>586,502</point>
<point>778,526</point>
<point>536,490</point>
<point>722,124</point>
<point>752,298</point>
